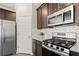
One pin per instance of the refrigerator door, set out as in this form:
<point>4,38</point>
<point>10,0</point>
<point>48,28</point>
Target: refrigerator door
<point>8,37</point>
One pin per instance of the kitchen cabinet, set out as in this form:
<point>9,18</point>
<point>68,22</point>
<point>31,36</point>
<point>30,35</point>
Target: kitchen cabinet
<point>52,7</point>
<point>73,53</point>
<point>39,17</point>
<point>2,14</point>
<point>36,47</point>
<point>63,5</point>
<point>7,15</point>
<point>76,7</point>
<point>39,48</point>
<point>42,13</point>
<point>10,16</point>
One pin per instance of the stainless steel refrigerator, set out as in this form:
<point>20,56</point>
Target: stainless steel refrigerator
<point>7,37</point>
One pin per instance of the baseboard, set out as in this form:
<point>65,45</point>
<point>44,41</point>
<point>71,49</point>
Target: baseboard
<point>23,52</point>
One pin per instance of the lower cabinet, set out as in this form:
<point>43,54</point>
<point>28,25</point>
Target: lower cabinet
<point>36,47</point>
<point>73,53</point>
<point>39,50</point>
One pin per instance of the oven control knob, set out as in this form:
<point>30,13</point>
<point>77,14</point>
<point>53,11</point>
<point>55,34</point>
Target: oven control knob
<point>57,47</point>
<point>62,49</point>
<point>51,45</point>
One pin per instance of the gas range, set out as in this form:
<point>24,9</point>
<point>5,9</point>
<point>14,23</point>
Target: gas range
<point>60,43</point>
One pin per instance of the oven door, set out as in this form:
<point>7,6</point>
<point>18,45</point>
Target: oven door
<point>46,52</point>
<point>53,52</point>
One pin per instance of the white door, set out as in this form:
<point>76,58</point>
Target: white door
<point>24,41</point>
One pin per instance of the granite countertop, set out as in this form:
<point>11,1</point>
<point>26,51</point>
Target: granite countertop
<point>75,48</point>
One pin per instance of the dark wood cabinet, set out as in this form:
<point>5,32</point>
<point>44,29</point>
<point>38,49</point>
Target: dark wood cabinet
<point>73,53</point>
<point>52,7</point>
<point>39,18</point>
<point>42,13</point>
<point>36,47</point>
<point>39,48</point>
<point>7,15</point>
<point>63,5</point>
<point>76,13</point>
<point>2,14</point>
<point>10,16</point>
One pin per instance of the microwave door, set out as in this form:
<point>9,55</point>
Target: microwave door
<point>51,21</point>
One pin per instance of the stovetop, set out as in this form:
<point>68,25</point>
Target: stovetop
<point>63,43</point>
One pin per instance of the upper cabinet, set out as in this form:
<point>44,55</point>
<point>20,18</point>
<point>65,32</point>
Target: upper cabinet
<point>76,13</point>
<point>10,15</point>
<point>7,15</point>
<point>42,13</point>
<point>52,7</point>
<point>63,5</point>
<point>39,17</point>
<point>2,14</point>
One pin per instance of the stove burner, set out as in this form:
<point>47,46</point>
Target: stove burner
<point>62,43</point>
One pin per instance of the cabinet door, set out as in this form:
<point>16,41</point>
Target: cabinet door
<point>34,47</point>
<point>52,7</point>
<point>73,53</point>
<point>2,14</point>
<point>44,15</point>
<point>63,5</point>
<point>76,6</point>
<point>10,16</point>
<point>39,17</point>
<point>39,50</point>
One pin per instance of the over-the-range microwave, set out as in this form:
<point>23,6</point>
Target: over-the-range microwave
<point>63,16</point>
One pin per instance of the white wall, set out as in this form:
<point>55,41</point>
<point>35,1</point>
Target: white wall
<point>23,19</point>
<point>34,19</point>
<point>48,31</point>
<point>8,5</point>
